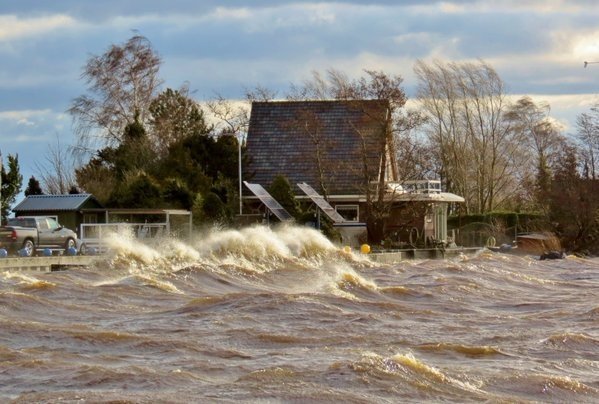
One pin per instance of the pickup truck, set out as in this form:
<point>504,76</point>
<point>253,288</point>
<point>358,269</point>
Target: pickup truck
<point>30,234</point>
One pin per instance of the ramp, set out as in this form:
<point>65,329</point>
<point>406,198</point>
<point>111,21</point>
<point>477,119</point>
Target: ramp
<point>322,203</point>
<point>270,202</point>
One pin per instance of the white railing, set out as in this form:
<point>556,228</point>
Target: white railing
<point>415,187</point>
<point>94,234</point>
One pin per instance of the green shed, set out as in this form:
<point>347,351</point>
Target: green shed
<point>70,210</point>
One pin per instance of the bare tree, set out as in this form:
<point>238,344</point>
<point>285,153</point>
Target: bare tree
<point>465,104</point>
<point>309,124</point>
<point>231,117</point>
<point>259,93</point>
<point>57,169</point>
<point>588,137</point>
<point>395,128</point>
<point>121,84</point>
<point>540,143</point>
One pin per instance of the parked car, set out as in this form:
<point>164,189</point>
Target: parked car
<point>34,233</point>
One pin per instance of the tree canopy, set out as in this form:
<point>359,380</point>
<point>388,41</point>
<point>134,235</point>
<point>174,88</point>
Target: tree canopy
<point>11,182</point>
<point>122,82</point>
<point>33,187</point>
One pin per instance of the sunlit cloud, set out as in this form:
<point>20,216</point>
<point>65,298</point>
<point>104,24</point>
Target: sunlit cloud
<point>24,115</point>
<point>224,13</point>
<point>508,6</point>
<point>13,27</point>
<point>25,138</point>
<point>584,45</point>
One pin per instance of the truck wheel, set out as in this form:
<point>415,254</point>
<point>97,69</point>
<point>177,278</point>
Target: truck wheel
<point>70,243</point>
<point>28,248</point>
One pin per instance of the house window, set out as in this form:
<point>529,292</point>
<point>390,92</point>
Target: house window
<point>351,213</point>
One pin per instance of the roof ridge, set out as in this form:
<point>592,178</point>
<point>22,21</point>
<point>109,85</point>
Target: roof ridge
<point>381,100</point>
<point>57,195</point>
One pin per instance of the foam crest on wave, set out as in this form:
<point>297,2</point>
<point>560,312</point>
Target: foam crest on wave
<point>124,247</point>
<point>245,252</point>
<point>260,242</point>
<point>26,280</point>
<point>408,368</point>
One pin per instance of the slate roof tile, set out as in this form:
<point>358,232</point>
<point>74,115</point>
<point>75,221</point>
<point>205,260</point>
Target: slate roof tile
<point>302,139</point>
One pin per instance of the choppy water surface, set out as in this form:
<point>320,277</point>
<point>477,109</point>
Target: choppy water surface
<point>283,315</point>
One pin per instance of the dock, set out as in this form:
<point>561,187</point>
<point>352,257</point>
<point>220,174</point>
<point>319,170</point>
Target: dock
<point>44,264</point>
<point>395,256</point>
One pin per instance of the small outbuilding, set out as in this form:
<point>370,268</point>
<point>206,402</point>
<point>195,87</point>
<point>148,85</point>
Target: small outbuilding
<point>68,209</point>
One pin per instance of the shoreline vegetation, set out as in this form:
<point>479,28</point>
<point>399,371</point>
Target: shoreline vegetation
<point>142,145</point>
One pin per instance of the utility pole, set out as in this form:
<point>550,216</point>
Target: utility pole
<point>1,170</point>
<point>239,143</point>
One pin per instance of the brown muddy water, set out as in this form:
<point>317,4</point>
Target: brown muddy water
<point>284,316</point>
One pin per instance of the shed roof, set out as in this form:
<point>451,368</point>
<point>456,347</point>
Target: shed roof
<point>335,144</point>
<point>45,203</point>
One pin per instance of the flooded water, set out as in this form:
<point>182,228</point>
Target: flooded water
<point>283,315</point>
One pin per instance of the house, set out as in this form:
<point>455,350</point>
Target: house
<point>69,209</point>
<point>344,149</point>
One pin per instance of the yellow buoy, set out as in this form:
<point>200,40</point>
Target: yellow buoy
<point>365,249</point>
<point>347,249</point>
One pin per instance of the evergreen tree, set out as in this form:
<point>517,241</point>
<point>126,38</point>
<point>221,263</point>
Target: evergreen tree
<point>214,209</point>
<point>282,191</point>
<point>174,116</point>
<point>12,180</point>
<point>33,187</point>
<point>574,203</point>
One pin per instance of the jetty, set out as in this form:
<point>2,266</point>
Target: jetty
<point>45,264</point>
<point>395,256</point>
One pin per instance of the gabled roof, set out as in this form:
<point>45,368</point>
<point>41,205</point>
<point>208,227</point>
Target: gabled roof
<point>338,144</point>
<point>68,202</point>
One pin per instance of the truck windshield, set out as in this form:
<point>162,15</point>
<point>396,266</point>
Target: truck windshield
<point>52,224</point>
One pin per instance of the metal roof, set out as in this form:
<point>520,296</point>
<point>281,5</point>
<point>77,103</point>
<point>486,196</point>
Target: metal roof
<point>67,202</point>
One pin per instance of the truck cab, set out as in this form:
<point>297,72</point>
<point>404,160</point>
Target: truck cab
<point>31,233</point>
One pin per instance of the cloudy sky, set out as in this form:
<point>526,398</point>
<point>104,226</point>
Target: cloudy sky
<point>537,46</point>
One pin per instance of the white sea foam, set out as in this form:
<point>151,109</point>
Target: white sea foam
<point>251,251</point>
<point>261,242</point>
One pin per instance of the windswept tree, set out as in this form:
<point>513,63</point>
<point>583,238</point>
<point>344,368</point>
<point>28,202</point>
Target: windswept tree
<point>11,182</point>
<point>540,144</point>
<point>587,125</point>
<point>395,127</point>
<point>476,152</point>
<point>230,116</point>
<point>373,85</point>
<point>122,83</point>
